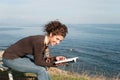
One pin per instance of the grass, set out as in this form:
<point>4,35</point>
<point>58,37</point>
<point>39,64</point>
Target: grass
<point>62,77</point>
<point>57,74</point>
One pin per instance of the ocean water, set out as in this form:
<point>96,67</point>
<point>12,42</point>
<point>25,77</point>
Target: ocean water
<point>96,45</point>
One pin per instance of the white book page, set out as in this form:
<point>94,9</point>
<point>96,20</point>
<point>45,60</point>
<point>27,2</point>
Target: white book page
<point>67,60</point>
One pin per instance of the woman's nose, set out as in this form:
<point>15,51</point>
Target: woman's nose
<point>58,42</point>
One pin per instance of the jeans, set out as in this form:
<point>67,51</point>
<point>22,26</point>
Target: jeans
<point>26,64</point>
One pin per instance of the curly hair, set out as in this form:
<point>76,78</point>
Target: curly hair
<point>56,28</point>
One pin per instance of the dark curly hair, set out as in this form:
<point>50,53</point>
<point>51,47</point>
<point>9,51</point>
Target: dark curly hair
<point>56,28</point>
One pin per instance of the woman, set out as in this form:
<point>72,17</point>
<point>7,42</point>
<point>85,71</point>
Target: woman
<point>27,55</point>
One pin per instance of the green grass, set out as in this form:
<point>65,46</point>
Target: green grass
<point>62,77</point>
<point>17,74</point>
<point>56,75</point>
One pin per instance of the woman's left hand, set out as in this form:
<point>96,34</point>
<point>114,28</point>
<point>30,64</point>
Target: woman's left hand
<point>58,58</point>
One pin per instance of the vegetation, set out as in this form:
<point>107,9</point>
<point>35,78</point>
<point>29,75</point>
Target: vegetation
<point>56,74</point>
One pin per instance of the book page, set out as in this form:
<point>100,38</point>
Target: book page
<point>67,60</point>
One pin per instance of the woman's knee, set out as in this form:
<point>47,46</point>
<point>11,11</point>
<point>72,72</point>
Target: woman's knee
<point>41,69</point>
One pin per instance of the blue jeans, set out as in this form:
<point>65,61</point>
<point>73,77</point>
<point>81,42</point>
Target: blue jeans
<point>26,64</point>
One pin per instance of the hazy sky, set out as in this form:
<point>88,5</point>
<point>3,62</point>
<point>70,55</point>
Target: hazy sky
<point>31,12</point>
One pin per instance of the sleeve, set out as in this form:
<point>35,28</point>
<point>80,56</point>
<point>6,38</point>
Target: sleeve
<point>39,56</point>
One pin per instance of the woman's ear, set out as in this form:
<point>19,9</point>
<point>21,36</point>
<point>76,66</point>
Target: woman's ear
<point>51,35</point>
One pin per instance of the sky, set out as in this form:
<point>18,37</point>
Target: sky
<point>35,12</point>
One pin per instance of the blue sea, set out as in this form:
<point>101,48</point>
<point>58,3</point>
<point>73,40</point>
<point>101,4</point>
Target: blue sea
<point>96,45</point>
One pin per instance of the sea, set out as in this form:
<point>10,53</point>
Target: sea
<point>97,46</point>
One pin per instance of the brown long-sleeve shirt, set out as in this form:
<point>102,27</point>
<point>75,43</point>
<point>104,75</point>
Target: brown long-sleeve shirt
<point>33,45</point>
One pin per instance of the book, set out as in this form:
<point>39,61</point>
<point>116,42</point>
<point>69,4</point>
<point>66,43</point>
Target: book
<point>67,60</point>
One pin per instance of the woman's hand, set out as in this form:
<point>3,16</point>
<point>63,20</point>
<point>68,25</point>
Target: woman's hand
<point>58,58</point>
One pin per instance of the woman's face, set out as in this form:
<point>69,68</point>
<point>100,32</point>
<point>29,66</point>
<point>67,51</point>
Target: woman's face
<point>55,39</point>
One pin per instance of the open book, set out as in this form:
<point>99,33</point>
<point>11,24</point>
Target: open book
<point>67,60</point>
